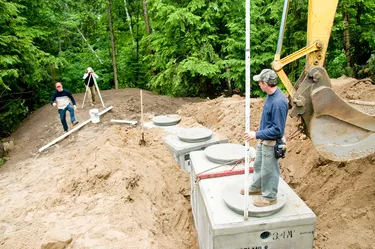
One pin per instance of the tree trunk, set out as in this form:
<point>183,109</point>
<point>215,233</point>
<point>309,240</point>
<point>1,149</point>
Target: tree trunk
<point>147,22</point>
<point>129,21</point>
<point>357,45</point>
<point>112,43</point>
<point>347,38</point>
<point>53,73</point>
<point>59,44</point>
<point>148,32</point>
<point>229,83</point>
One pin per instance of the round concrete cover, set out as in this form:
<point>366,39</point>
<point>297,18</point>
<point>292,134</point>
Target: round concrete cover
<point>194,135</point>
<point>236,202</point>
<point>166,120</point>
<point>225,153</point>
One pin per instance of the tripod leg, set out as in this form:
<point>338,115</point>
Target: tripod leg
<point>97,89</point>
<point>84,98</point>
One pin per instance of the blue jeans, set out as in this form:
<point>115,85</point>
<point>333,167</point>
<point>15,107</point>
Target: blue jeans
<point>266,172</point>
<point>63,116</point>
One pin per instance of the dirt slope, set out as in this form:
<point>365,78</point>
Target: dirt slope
<point>105,191</point>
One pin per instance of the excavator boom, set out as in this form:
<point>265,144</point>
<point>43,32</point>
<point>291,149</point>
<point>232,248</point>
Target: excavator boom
<point>338,131</point>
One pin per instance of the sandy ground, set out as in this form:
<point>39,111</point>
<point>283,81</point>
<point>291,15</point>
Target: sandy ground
<point>98,188</point>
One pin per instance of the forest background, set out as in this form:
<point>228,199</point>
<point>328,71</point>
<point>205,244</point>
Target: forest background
<point>172,47</point>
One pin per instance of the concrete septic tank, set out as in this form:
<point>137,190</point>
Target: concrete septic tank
<point>219,227</point>
<point>180,149</point>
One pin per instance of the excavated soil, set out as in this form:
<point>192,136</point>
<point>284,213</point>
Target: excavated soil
<point>101,189</point>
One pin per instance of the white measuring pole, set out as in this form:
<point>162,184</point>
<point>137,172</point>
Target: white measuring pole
<point>132,122</point>
<point>247,110</point>
<point>97,88</point>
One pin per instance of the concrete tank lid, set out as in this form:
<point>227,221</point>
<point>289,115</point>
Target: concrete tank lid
<point>166,120</point>
<point>194,135</point>
<point>235,201</point>
<point>225,153</point>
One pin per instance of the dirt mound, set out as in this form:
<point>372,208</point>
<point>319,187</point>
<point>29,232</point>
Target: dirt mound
<point>98,183</point>
<point>106,191</point>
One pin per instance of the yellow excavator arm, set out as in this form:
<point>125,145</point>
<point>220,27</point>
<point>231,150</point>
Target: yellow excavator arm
<point>338,131</point>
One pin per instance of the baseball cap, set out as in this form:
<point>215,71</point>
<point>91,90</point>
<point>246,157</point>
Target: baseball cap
<point>267,75</point>
<point>89,69</point>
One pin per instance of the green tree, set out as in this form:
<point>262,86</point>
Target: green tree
<point>197,47</point>
<point>23,67</point>
<point>353,39</point>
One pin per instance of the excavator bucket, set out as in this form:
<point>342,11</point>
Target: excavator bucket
<point>338,130</point>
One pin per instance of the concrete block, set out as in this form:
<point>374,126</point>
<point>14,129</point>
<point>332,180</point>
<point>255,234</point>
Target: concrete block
<point>219,227</point>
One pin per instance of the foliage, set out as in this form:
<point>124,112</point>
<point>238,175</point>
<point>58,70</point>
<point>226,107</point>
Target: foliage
<point>3,160</point>
<point>22,67</point>
<point>361,27</point>
<point>371,69</point>
<point>196,47</point>
<point>337,65</point>
<point>184,48</point>
<point>14,112</point>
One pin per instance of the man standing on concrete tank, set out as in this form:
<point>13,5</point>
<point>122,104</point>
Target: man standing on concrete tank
<point>90,84</point>
<point>272,125</point>
<point>63,98</point>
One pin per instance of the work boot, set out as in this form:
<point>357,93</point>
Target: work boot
<point>261,202</point>
<point>251,192</point>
